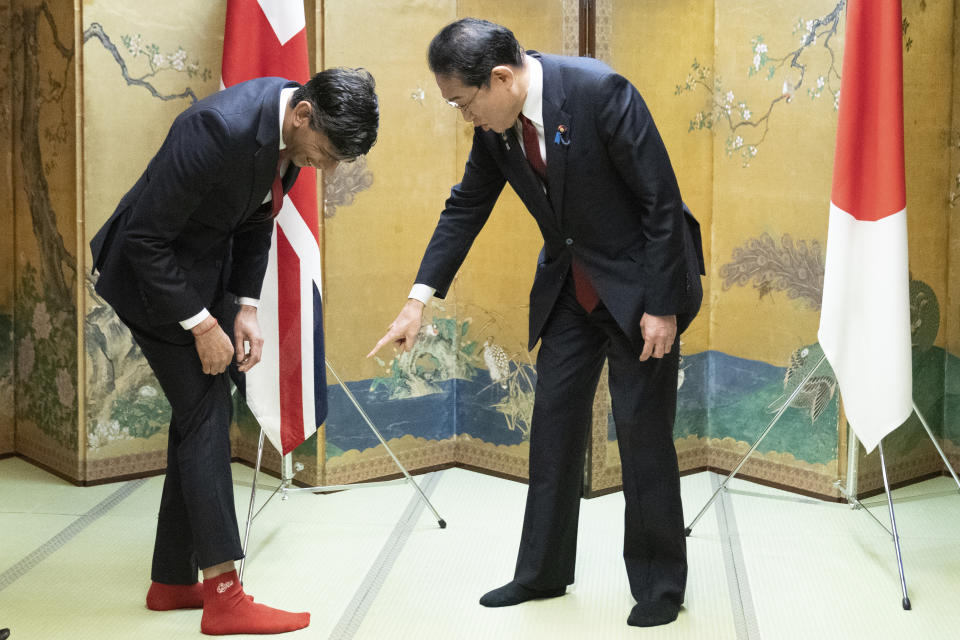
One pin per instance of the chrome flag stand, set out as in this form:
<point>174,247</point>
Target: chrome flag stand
<point>850,492</point>
<point>287,473</point>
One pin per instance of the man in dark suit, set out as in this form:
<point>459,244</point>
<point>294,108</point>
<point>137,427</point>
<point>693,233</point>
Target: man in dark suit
<point>618,277</point>
<point>195,227</point>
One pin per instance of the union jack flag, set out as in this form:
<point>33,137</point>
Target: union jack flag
<point>287,390</point>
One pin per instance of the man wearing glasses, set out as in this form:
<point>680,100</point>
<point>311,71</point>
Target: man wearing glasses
<point>196,225</point>
<point>618,277</point>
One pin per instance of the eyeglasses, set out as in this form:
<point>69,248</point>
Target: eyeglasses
<point>466,105</point>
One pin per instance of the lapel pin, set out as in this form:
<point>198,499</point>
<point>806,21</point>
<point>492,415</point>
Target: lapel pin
<point>563,135</point>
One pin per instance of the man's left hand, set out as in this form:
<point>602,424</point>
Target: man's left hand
<point>658,333</point>
<point>246,332</point>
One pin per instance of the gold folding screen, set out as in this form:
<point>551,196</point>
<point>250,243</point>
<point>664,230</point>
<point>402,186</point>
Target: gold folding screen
<point>88,91</point>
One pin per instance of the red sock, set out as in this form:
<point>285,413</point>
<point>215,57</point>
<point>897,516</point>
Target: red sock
<point>164,597</point>
<point>227,610</point>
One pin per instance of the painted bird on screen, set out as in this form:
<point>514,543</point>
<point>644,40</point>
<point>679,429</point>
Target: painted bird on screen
<point>497,361</point>
<point>817,392</point>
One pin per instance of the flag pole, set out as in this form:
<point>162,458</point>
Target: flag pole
<point>285,480</point>
<point>893,524</point>
<point>253,494</point>
<point>853,464</point>
<point>850,491</point>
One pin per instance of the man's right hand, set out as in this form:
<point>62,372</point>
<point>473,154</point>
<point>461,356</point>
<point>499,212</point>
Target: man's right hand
<point>403,331</point>
<point>213,346</point>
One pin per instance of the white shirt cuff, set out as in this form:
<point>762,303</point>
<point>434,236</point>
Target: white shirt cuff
<point>193,321</point>
<point>422,292</point>
<point>250,302</point>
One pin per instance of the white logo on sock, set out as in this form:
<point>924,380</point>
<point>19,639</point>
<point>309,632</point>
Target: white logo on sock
<point>223,586</point>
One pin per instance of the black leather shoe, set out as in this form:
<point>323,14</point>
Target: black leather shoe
<point>513,593</point>
<point>652,614</point>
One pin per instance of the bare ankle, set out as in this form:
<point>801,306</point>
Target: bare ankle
<point>218,569</point>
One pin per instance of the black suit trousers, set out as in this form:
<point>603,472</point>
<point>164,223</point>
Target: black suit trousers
<point>572,350</point>
<point>197,523</point>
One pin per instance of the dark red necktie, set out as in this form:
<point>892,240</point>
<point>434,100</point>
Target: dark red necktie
<point>531,144</point>
<point>276,190</point>
<point>586,294</point>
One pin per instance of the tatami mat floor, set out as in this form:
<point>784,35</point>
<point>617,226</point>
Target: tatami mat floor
<point>373,564</point>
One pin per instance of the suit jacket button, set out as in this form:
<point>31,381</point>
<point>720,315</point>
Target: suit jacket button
<point>569,241</point>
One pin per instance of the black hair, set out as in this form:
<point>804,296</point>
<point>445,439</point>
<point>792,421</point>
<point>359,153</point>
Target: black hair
<point>469,49</point>
<point>344,108</point>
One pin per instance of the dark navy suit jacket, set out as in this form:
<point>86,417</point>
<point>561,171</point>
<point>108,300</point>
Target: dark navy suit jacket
<point>611,200</point>
<point>193,226</point>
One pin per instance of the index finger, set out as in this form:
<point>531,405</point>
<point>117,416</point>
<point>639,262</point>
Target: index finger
<point>252,358</point>
<point>384,340</point>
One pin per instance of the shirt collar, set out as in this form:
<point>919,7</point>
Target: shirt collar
<point>533,105</point>
<point>285,95</point>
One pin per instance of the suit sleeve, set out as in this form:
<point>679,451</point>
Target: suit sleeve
<point>465,213</point>
<point>638,153</point>
<point>190,161</point>
<point>251,251</point>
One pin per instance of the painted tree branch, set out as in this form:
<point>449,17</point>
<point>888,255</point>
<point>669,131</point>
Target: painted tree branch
<point>738,116</point>
<point>95,30</point>
<point>829,24</point>
<point>65,51</point>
